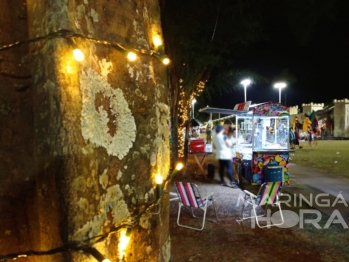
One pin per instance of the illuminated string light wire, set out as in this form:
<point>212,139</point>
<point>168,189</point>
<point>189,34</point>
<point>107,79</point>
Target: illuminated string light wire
<point>85,246</point>
<point>63,33</point>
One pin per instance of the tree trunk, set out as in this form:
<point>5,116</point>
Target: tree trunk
<point>95,136</point>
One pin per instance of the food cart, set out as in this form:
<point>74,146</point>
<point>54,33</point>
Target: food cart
<point>262,138</point>
<point>270,142</point>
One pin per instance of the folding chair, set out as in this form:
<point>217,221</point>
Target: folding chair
<point>268,195</point>
<point>189,196</point>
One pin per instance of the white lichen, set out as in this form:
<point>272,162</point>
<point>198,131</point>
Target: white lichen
<point>103,179</point>
<point>144,221</point>
<point>161,142</point>
<point>148,249</point>
<point>119,175</point>
<point>166,251</point>
<point>94,122</point>
<point>113,203</point>
<point>94,15</point>
<point>83,205</point>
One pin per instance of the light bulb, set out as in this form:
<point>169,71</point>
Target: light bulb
<point>166,61</point>
<point>78,55</point>
<point>157,41</point>
<point>179,166</point>
<point>158,179</point>
<point>123,242</point>
<point>131,56</point>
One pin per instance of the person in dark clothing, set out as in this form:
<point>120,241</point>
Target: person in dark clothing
<point>296,139</point>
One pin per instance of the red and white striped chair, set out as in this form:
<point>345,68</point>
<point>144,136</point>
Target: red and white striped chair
<point>189,196</point>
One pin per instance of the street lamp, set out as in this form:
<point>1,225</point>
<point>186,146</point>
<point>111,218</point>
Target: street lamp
<point>245,83</point>
<point>193,102</point>
<point>280,86</point>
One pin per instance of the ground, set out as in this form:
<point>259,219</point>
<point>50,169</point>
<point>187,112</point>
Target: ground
<point>226,240</point>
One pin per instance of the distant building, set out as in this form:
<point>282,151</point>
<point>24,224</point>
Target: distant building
<point>332,120</point>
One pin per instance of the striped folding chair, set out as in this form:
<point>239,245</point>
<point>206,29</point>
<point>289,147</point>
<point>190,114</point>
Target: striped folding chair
<point>189,196</point>
<point>268,195</point>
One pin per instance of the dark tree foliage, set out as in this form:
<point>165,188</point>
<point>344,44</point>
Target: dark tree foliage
<point>209,41</point>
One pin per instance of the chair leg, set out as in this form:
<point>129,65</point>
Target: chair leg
<point>282,217</point>
<point>203,222</point>
<point>278,224</point>
<point>212,200</point>
<point>253,211</point>
<point>215,210</point>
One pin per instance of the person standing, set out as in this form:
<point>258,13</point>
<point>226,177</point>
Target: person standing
<point>296,139</point>
<point>236,161</point>
<point>292,137</point>
<point>222,145</point>
<point>314,134</point>
<point>208,134</point>
<point>310,136</point>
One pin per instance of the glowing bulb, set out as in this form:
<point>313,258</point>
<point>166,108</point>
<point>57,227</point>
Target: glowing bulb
<point>157,41</point>
<point>124,239</point>
<point>166,61</point>
<point>106,260</point>
<point>131,56</point>
<point>158,179</point>
<point>246,82</point>
<point>280,85</point>
<point>179,166</point>
<point>78,55</point>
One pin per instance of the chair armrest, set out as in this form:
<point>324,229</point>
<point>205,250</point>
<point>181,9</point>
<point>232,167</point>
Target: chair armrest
<point>250,194</point>
<point>208,196</point>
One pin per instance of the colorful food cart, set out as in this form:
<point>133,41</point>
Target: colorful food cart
<point>262,138</point>
<point>270,142</point>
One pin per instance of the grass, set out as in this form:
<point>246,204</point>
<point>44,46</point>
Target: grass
<point>329,156</point>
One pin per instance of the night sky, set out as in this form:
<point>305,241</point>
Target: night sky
<point>319,64</point>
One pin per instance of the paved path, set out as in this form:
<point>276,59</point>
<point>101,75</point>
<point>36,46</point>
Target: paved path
<point>310,183</point>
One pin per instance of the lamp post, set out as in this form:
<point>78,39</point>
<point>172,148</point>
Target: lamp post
<point>245,83</point>
<point>193,103</point>
<point>280,86</point>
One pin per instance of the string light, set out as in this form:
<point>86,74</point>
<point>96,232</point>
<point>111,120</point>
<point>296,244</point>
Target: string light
<point>158,181</point>
<point>131,56</point>
<point>124,240</point>
<point>78,55</point>
<point>67,34</point>
<point>179,166</point>
<point>157,41</point>
<point>166,61</point>
<point>85,246</point>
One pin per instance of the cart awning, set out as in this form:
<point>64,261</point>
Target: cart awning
<point>221,111</point>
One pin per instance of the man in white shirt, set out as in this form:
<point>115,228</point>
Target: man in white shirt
<point>223,151</point>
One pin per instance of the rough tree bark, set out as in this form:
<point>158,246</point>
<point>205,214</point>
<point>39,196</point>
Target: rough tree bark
<point>90,136</point>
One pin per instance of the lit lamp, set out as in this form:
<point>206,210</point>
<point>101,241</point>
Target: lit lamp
<point>131,56</point>
<point>158,180</point>
<point>96,254</point>
<point>157,41</point>
<point>245,83</point>
<point>165,60</point>
<point>179,166</point>
<point>123,242</point>
<point>193,103</point>
<point>280,86</point>
<point>78,55</point>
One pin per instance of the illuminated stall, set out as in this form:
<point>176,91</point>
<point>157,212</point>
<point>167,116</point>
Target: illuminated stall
<point>270,141</point>
<point>262,138</point>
